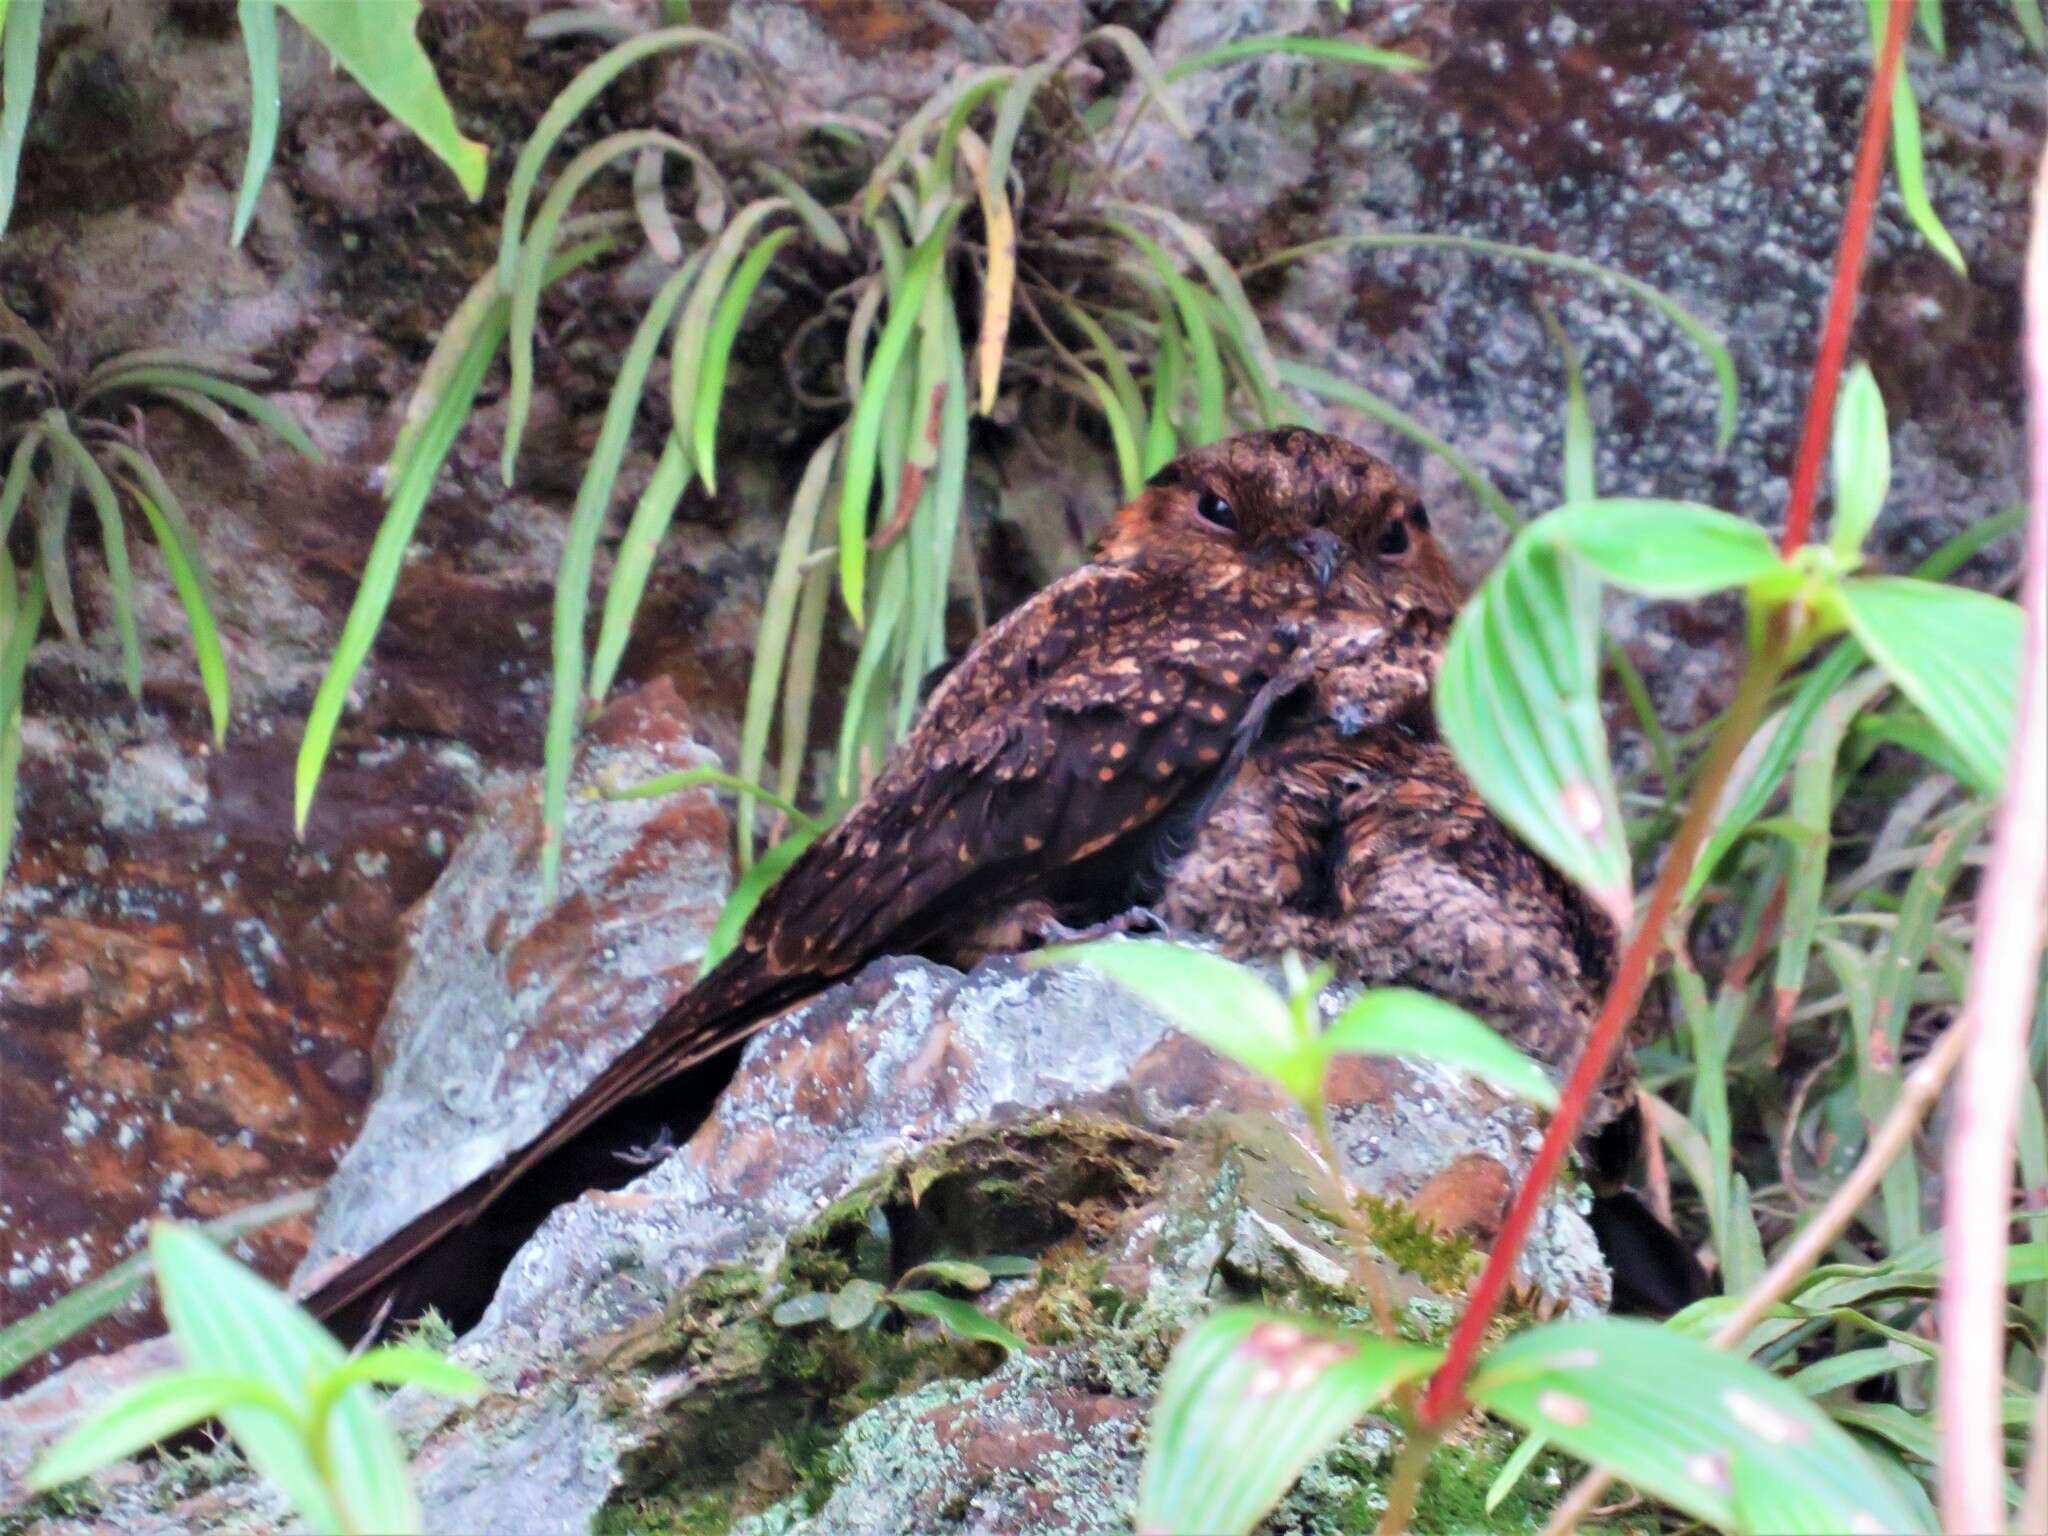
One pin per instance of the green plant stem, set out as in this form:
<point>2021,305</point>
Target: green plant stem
<point>1445,1398</point>
<point>1338,1189</point>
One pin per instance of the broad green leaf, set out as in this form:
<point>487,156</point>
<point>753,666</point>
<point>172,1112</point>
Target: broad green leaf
<point>1862,462</point>
<point>1394,1021</point>
<point>1516,701</point>
<point>962,1317</point>
<point>1249,1399</point>
<point>148,1412</point>
<point>1714,1435</point>
<point>1337,50</point>
<point>1226,1006</point>
<point>2028,14</point>
<point>259,41</point>
<point>807,1307</point>
<point>1343,392</point>
<point>725,329</point>
<point>182,557</point>
<point>376,44</point>
<point>404,1365</point>
<point>854,1304</point>
<point>863,437</point>
<point>19,40</point>
<point>566,107</point>
<point>1667,549</point>
<point>223,1316</point>
<point>1711,346</point>
<point>1954,652</point>
<point>747,892</point>
<point>961,1272</point>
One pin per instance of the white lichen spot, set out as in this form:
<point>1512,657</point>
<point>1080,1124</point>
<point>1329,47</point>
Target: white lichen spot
<point>1762,1420</point>
<point>1563,1408</point>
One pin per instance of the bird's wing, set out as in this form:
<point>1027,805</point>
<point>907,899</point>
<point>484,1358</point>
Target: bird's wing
<point>1082,716</point>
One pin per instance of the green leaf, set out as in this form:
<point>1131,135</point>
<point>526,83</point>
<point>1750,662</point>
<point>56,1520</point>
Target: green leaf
<point>1162,442</point>
<point>1394,1021</point>
<point>634,561</point>
<point>2027,13</point>
<point>221,1313</point>
<point>147,1412</point>
<point>566,107</point>
<point>1194,325</point>
<point>180,549</point>
<point>1226,1006</point>
<point>113,544</point>
<point>19,39</point>
<point>1516,701</point>
<point>1714,1435</point>
<point>20,468</point>
<point>1514,1469</point>
<point>691,778</point>
<point>1906,155</point>
<point>1249,1399</point>
<point>1334,49</point>
<point>863,438</point>
<point>405,1365</point>
<point>967,1276</point>
<point>259,41</point>
<point>579,551</point>
<point>1318,382</point>
<point>15,644</point>
<point>747,892</point>
<point>375,43</point>
<point>725,329</point>
<point>1862,462</point>
<point>961,1317</point>
<point>530,274</point>
<point>246,401</point>
<point>854,1304</point>
<point>1711,346</point>
<point>1954,652</point>
<point>1666,549</point>
<point>686,352</point>
<point>809,1307</point>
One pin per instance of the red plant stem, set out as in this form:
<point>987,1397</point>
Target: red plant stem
<point>1977,1165</point>
<point>1445,1398</point>
<point>1834,337</point>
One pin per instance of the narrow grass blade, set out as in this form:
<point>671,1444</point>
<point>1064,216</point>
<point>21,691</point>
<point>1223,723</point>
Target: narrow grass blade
<point>2027,13</point>
<point>805,641</point>
<point>1146,68</point>
<point>215,416</point>
<point>696,778</point>
<point>970,87</point>
<point>718,343</point>
<point>656,223</point>
<point>77,1310</point>
<point>20,474</point>
<point>113,544</point>
<point>999,284</point>
<point>530,273</point>
<point>817,219</point>
<point>693,325</point>
<point>259,40</point>
<point>1162,440</point>
<point>747,892</point>
<point>187,566</point>
<point>778,619</point>
<point>248,402</point>
<point>15,644</point>
<point>567,106</point>
<point>863,698</point>
<point>1928,14</point>
<point>1860,461</point>
<point>176,357</point>
<point>19,40</point>
<point>1123,434</point>
<point>1002,138</point>
<point>1244,326</point>
<point>380,47</point>
<point>387,559</point>
<point>1907,159</point>
<point>579,550</point>
<point>1195,326</point>
<point>53,544</point>
<point>1710,344</point>
<point>1335,50</point>
<point>864,433</point>
<point>1343,392</point>
<point>1115,368</point>
<point>635,562</point>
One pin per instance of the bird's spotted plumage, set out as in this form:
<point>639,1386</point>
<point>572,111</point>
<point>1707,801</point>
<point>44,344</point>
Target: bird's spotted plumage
<point>1078,738</point>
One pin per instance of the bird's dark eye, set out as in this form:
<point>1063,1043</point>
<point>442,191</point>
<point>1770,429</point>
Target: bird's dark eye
<point>1215,509</point>
<point>1420,518</point>
<point>1394,539</point>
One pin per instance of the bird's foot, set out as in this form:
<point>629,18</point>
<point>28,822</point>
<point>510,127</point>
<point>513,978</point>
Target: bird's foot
<point>1134,921</point>
<point>655,1151</point>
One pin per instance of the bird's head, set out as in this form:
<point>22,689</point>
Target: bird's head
<point>1310,523</point>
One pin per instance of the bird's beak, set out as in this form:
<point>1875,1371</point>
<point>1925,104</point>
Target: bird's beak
<point>1322,552</point>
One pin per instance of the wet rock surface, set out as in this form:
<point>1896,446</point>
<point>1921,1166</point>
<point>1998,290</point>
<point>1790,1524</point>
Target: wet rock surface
<point>911,1114</point>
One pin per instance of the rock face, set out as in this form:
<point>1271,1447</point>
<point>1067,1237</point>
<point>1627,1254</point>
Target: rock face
<point>915,1113</point>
